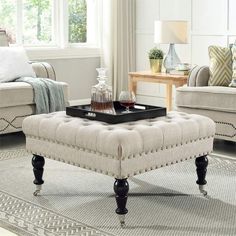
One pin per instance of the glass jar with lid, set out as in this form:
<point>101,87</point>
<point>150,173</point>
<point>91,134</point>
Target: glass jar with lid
<point>101,94</point>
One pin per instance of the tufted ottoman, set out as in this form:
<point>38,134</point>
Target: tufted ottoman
<point>121,150</point>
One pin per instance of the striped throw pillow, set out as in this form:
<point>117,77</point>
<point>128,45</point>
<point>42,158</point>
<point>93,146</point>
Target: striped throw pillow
<point>220,66</point>
<point>233,82</point>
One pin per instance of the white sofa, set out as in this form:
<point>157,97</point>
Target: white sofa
<point>16,99</point>
<point>216,102</point>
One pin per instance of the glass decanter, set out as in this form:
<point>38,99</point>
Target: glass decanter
<point>101,94</point>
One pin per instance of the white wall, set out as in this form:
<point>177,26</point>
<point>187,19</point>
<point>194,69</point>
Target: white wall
<point>79,73</point>
<point>210,22</point>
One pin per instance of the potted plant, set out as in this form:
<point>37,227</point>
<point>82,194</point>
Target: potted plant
<point>155,57</point>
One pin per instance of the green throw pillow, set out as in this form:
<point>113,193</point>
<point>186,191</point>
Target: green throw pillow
<point>220,66</point>
<point>233,82</point>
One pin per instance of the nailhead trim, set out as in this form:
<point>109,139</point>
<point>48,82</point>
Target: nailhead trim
<point>166,164</point>
<point>113,157</point>
<point>74,147</point>
<point>113,174</point>
<point>10,123</point>
<point>116,157</point>
<point>229,124</point>
<point>72,163</point>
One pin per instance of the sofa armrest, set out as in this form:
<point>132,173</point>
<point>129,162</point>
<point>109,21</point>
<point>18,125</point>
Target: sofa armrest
<point>199,76</point>
<point>43,70</point>
<point>65,92</point>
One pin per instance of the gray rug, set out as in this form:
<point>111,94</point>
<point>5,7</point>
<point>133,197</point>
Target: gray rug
<point>79,202</point>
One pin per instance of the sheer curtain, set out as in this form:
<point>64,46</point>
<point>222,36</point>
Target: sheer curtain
<point>118,42</point>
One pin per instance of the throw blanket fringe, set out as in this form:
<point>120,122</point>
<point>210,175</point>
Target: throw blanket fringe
<point>48,94</point>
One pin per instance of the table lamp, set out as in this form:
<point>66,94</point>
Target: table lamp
<point>171,32</point>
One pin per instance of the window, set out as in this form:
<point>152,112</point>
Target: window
<point>77,21</point>
<point>37,22</point>
<point>50,23</point>
<point>8,18</point>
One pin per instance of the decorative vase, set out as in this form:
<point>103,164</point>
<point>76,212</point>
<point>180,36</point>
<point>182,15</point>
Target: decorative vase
<point>155,65</point>
<point>171,60</point>
<point>101,94</point>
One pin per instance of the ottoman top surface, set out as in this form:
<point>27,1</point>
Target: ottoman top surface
<point>134,137</point>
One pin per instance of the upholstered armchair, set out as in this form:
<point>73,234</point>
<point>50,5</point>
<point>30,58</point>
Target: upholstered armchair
<point>216,102</point>
<point>17,99</point>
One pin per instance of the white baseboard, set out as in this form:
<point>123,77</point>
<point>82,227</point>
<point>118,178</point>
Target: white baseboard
<point>79,102</point>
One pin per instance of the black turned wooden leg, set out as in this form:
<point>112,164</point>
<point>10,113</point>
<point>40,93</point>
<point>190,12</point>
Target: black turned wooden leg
<point>38,163</point>
<point>201,163</point>
<point>121,188</point>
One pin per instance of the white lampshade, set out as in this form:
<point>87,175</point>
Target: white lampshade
<point>170,32</point>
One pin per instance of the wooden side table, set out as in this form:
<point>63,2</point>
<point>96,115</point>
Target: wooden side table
<point>164,78</point>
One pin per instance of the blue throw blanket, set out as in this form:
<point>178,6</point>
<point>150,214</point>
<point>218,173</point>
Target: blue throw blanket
<point>48,94</point>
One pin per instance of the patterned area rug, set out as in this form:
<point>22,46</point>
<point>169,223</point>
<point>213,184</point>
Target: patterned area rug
<point>79,202</point>
<point>12,153</point>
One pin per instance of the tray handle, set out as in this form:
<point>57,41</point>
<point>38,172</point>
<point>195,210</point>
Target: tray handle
<point>90,114</point>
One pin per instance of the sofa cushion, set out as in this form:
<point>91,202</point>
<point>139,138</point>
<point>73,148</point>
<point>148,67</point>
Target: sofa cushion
<point>20,93</point>
<point>216,98</point>
<point>220,66</point>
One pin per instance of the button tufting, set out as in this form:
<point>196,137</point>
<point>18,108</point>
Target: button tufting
<point>140,148</point>
<point>85,124</point>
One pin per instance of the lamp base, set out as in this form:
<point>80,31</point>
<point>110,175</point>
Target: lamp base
<point>171,60</point>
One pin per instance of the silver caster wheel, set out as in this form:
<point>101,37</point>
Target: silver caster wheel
<point>202,190</point>
<point>122,220</point>
<point>37,191</point>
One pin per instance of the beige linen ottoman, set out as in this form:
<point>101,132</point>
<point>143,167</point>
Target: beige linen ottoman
<point>120,150</point>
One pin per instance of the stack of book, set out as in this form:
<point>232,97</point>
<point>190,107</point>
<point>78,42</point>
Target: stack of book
<point>181,69</point>
<point>179,72</point>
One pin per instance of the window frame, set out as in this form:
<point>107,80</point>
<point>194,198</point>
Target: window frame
<point>61,47</point>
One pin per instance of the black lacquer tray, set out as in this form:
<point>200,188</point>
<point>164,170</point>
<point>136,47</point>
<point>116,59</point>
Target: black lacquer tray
<point>138,112</point>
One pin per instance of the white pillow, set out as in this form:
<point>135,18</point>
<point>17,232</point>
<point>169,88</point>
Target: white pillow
<point>14,64</point>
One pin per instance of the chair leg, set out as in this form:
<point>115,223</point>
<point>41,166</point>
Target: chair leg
<point>201,164</point>
<point>38,164</point>
<point>121,188</point>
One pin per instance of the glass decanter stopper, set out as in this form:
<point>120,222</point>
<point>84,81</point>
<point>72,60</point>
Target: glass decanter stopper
<point>101,94</point>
